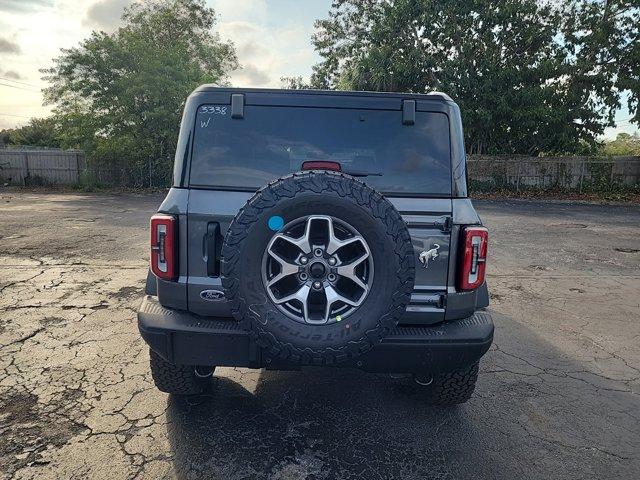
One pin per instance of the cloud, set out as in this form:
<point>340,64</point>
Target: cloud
<point>250,76</point>
<point>8,46</point>
<point>106,14</point>
<point>254,11</point>
<point>251,49</point>
<point>267,52</point>
<point>23,5</point>
<point>13,75</point>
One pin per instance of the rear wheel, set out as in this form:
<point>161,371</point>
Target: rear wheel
<point>178,379</point>
<point>451,388</point>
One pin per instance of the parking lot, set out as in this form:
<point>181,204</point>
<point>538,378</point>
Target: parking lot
<point>558,394</point>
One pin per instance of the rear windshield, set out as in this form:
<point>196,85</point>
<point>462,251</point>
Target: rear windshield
<point>272,141</point>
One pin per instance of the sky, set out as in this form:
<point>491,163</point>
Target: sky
<point>272,39</point>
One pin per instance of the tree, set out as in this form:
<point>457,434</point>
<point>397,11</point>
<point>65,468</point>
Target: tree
<point>39,132</point>
<point>602,38</point>
<point>294,83</point>
<point>623,145</point>
<point>5,135</point>
<point>119,96</point>
<point>517,68</point>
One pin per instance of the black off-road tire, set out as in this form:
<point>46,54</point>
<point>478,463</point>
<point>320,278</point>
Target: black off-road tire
<point>176,379</point>
<point>318,193</point>
<point>453,388</point>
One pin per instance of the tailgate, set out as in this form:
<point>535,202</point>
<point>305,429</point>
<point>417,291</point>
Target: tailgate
<point>429,221</point>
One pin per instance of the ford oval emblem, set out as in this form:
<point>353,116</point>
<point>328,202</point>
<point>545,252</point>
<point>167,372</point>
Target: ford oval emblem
<point>212,295</point>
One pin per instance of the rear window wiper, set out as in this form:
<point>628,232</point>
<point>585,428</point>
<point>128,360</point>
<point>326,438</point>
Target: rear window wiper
<point>360,173</point>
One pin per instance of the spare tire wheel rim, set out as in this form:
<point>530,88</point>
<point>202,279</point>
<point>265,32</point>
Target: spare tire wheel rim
<point>317,269</point>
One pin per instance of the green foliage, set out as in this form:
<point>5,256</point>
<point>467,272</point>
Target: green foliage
<point>598,190</point>
<point>5,135</point>
<point>623,145</point>
<point>39,132</point>
<point>600,177</point>
<point>594,177</point>
<point>119,96</point>
<point>530,77</point>
<point>602,43</point>
<point>294,83</point>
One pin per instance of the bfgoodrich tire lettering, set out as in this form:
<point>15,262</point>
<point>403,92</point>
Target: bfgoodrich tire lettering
<point>318,193</point>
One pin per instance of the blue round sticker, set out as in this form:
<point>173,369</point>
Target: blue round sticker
<point>276,223</point>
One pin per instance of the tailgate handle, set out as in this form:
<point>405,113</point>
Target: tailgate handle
<point>443,223</point>
<point>212,249</point>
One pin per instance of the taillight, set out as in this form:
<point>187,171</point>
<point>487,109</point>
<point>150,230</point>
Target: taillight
<point>474,258</point>
<point>163,246</point>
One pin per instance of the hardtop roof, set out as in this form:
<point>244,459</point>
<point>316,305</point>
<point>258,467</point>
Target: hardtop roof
<point>348,93</point>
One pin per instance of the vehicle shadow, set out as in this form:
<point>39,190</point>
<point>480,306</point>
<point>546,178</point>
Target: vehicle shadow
<point>334,423</point>
<point>303,424</point>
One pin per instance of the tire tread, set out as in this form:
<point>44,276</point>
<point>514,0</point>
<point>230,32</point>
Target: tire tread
<point>324,182</point>
<point>174,379</point>
<point>455,387</point>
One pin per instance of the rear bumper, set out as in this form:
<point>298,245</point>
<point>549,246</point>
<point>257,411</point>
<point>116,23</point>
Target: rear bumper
<point>185,339</point>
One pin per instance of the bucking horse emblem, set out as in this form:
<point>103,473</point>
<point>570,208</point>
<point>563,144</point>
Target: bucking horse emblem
<point>427,255</point>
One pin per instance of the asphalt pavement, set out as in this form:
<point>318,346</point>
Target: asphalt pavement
<point>558,394</point>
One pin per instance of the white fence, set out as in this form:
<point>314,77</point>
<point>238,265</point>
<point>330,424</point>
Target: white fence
<point>562,173</point>
<point>41,167</point>
<point>68,167</point>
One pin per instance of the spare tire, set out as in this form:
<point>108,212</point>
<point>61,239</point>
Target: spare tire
<point>318,267</point>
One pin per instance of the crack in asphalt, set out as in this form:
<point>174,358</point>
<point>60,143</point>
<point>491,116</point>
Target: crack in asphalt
<point>25,338</point>
<point>557,395</point>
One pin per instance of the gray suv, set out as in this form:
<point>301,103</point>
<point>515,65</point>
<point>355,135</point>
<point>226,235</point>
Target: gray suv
<point>318,228</point>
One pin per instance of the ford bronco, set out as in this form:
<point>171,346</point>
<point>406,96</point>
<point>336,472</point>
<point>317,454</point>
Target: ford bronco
<point>323,228</point>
